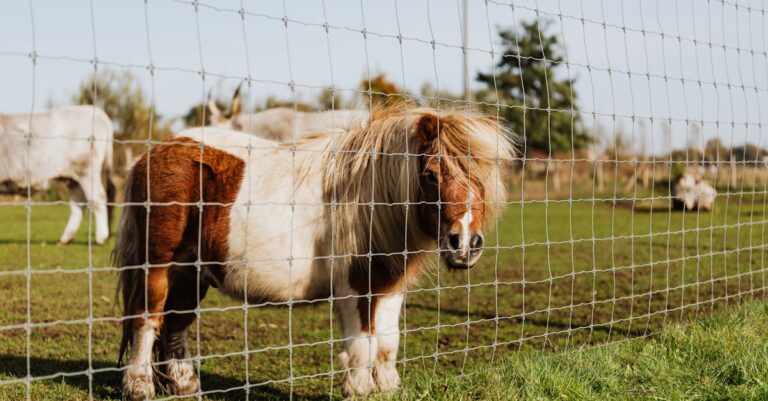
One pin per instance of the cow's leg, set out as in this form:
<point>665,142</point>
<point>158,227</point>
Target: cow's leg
<point>138,378</point>
<point>387,317</point>
<point>359,347</point>
<point>174,348</point>
<point>93,188</point>
<point>76,199</point>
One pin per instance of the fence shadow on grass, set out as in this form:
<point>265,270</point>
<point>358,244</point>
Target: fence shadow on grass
<point>106,385</point>
<point>531,321</point>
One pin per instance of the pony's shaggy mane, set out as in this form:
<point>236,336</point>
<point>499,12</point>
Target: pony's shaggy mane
<point>370,173</point>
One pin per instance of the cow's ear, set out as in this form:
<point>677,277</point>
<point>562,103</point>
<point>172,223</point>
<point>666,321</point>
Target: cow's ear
<point>214,110</point>
<point>236,106</point>
<point>428,127</point>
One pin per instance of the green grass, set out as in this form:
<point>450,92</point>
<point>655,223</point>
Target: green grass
<point>565,275</point>
<point>724,356</point>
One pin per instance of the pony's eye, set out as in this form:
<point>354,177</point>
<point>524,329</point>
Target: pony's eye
<point>431,177</point>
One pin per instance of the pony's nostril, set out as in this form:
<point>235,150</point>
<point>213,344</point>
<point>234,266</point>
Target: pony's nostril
<point>476,243</point>
<point>453,241</point>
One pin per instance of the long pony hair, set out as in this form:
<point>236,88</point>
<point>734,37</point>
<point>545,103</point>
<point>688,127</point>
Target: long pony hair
<point>370,175</point>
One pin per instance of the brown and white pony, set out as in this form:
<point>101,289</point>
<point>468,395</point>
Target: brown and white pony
<point>352,215</point>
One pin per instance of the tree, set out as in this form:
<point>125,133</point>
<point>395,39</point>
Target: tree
<point>748,153</point>
<point>132,113</point>
<point>715,151</point>
<point>122,97</point>
<point>330,99</point>
<point>528,85</point>
<point>444,98</point>
<point>382,91</point>
<point>272,103</point>
<point>200,114</point>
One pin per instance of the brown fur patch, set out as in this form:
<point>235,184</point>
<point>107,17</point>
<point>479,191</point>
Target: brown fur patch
<point>428,127</point>
<point>383,279</point>
<point>178,170</point>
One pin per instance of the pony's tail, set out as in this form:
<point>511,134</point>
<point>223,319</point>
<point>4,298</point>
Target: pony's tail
<point>111,195</point>
<point>108,167</point>
<point>128,258</point>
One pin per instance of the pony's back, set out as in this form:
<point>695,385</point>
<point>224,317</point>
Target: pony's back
<point>284,124</point>
<point>235,142</point>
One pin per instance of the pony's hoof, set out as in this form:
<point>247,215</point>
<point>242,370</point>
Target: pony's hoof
<point>138,386</point>
<point>386,377</point>
<point>358,382</point>
<point>183,379</point>
<point>63,241</point>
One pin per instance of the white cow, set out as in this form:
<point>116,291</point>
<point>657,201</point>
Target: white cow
<point>282,124</point>
<point>70,143</point>
<point>690,193</point>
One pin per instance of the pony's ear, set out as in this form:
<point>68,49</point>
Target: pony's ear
<point>428,126</point>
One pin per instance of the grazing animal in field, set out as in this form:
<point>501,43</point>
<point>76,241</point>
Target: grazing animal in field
<point>690,193</point>
<point>71,143</point>
<point>282,124</point>
<point>354,216</point>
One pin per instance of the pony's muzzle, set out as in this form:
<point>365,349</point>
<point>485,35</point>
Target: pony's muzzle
<point>462,251</point>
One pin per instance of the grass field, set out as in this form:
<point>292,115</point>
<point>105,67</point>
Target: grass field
<point>724,357</point>
<point>558,275</point>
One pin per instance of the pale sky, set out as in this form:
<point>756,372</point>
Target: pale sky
<point>688,60</point>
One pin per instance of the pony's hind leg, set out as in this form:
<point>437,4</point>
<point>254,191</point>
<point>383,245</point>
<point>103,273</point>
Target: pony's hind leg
<point>183,299</point>
<point>151,234</point>
<point>138,378</point>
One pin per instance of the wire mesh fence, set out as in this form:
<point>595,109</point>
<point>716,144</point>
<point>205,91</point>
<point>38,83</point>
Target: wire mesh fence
<point>330,240</point>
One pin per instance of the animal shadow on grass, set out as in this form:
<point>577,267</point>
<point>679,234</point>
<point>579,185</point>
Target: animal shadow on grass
<point>635,207</point>
<point>106,379</point>
<point>753,213</point>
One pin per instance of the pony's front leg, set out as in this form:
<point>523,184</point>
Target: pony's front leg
<point>387,317</point>
<point>359,348</point>
<point>138,379</point>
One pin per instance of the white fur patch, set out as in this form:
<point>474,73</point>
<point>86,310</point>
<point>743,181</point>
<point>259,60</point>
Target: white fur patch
<point>137,378</point>
<point>359,349</point>
<point>280,256</point>
<point>388,333</point>
<point>465,221</point>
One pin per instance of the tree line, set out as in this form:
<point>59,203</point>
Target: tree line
<point>525,89</point>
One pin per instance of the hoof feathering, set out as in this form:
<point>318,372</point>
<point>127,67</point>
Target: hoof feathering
<point>386,376</point>
<point>138,384</point>
<point>358,382</point>
<point>183,379</point>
